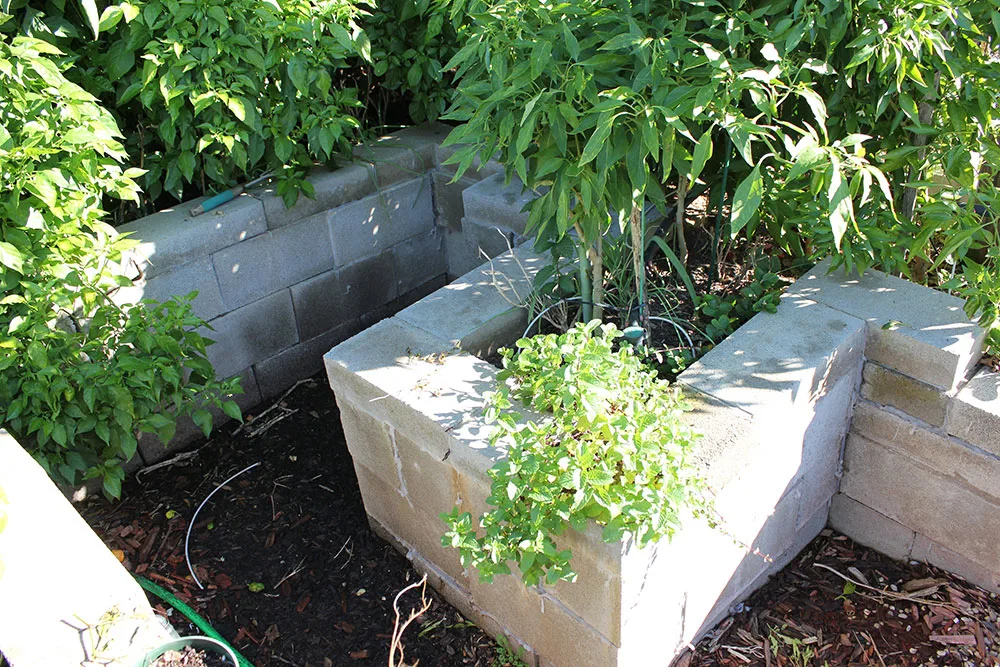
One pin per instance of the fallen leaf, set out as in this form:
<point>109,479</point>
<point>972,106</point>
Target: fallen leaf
<point>303,603</point>
<point>359,655</point>
<point>119,554</point>
<point>964,640</point>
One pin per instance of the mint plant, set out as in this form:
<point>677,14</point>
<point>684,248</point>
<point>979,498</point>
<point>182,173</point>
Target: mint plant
<point>611,448</point>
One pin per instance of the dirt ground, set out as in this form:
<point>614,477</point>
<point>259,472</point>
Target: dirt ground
<point>294,576</point>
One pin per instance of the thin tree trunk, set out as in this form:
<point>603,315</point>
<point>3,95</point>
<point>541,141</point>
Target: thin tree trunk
<point>638,245</point>
<point>682,247</point>
<point>597,267</point>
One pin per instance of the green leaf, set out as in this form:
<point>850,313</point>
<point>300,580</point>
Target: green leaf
<point>232,410</point>
<point>203,419</point>
<point>91,15</point>
<point>597,139</point>
<point>746,201</point>
<point>11,257</point>
<point>841,208</point>
<point>702,152</point>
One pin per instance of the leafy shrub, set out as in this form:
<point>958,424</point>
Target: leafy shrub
<point>79,374</point>
<point>610,448</point>
<point>222,90</point>
<point>722,315</point>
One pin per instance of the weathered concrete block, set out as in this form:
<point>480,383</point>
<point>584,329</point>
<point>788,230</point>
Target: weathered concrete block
<point>449,207</point>
<point>417,293</point>
<point>377,222</point>
<point>944,510</point>
<point>979,469</point>
<point>334,188</point>
<point>974,414</point>
<point>279,372</point>
<point>418,260</point>
<point>252,333</point>
<point>246,271</point>
<point>496,204</point>
<point>477,311</point>
<point>928,551</point>
<point>302,250</point>
<point>917,399</point>
<point>369,443</point>
<point>172,237</point>
<point>402,155</point>
<point>866,526</point>
<point>424,479</point>
<point>335,297</point>
<point>60,581</point>
<point>462,255</point>
<point>486,241</point>
<point>928,335</point>
<point>198,275</point>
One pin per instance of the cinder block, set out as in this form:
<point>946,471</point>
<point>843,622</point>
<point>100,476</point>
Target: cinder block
<point>278,373</point>
<point>424,479</point>
<point>333,298</point>
<point>302,250</point>
<point>485,241</point>
<point>417,293</point>
<point>449,207</point>
<point>411,209</point>
<point>477,170</point>
<point>974,414</point>
<point>198,275</point>
<point>252,333</point>
<point>917,399</point>
<point>866,526</point>
<point>496,204</point>
<point>246,271</point>
<point>462,254</point>
<point>399,157</point>
<point>477,311</point>
<point>948,456</point>
<point>927,334</point>
<point>418,260</point>
<point>928,551</point>
<point>369,442</point>
<point>945,511</point>
<point>334,188</point>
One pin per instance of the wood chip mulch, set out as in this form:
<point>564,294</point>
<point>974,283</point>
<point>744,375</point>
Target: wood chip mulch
<point>839,603</point>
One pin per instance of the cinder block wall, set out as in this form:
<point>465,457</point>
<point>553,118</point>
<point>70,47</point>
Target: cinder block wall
<point>280,286</point>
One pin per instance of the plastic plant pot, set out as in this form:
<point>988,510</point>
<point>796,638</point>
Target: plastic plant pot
<point>199,643</point>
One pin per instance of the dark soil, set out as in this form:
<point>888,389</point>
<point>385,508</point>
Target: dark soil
<point>189,657</point>
<point>293,575</point>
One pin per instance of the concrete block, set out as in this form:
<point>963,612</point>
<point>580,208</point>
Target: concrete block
<point>496,204</point>
<point>333,298</point>
<point>252,333</point>
<point>375,223</point>
<point>417,293</point>
<point>59,579</point>
<point>976,468</point>
<point>485,241</point>
<point>476,311</point>
<point>198,275</point>
<point>279,372</point>
<point>334,188</point>
<point>917,399</point>
<point>917,497</point>
<point>928,551</point>
<point>929,336</point>
<point>153,450</point>
<point>866,526</point>
<point>413,527</point>
<point>401,156</point>
<point>823,446</point>
<point>411,379</point>
<point>425,480</point>
<point>369,442</point>
<point>172,237</point>
<point>449,207</point>
<point>302,250</point>
<point>246,271</point>
<point>418,260</point>
<point>462,254</point>
<point>974,414</point>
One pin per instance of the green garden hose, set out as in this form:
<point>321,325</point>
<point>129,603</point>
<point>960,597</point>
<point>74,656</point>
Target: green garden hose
<point>191,614</point>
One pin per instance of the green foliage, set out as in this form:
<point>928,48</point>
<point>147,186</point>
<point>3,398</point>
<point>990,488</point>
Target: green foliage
<point>507,655</point>
<point>722,315</point>
<point>609,447</point>
<point>223,90</point>
<point>79,374</point>
<point>3,524</point>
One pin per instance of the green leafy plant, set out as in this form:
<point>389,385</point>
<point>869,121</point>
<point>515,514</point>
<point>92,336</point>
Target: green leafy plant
<point>722,315</point>
<point>507,655</point>
<point>610,447</point>
<point>81,375</point>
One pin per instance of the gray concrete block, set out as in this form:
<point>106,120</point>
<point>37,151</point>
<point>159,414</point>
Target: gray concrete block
<point>425,480</point>
<point>951,457</point>
<point>342,295</point>
<point>172,238</point>
<point>302,250</point>
<point>477,311</point>
<point>974,414</point>
<point>418,260</point>
<point>417,293</point>
<point>866,526</point>
<point>919,498</point>
<point>477,170</point>
<point>278,373</point>
<point>401,156</point>
<point>369,442</point>
<point>198,275</point>
<point>449,207</point>
<point>252,333</point>
<point>247,271</point>
<point>334,188</point>
<point>486,240</point>
<point>375,223</point>
<point>496,204</point>
<point>928,551</point>
<point>929,337</point>
<point>461,253</point>
<point>917,399</point>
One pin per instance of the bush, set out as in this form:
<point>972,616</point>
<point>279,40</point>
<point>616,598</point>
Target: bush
<point>79,374</point>
<point>610,448</point>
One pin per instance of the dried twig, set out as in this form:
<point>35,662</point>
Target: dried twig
<point>396,645</point>
<point>183,456</point>
<point>889,594</point>
<point>253,431</point>
<point>298,568</point>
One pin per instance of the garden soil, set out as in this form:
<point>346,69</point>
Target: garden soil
<point>293,574</point>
